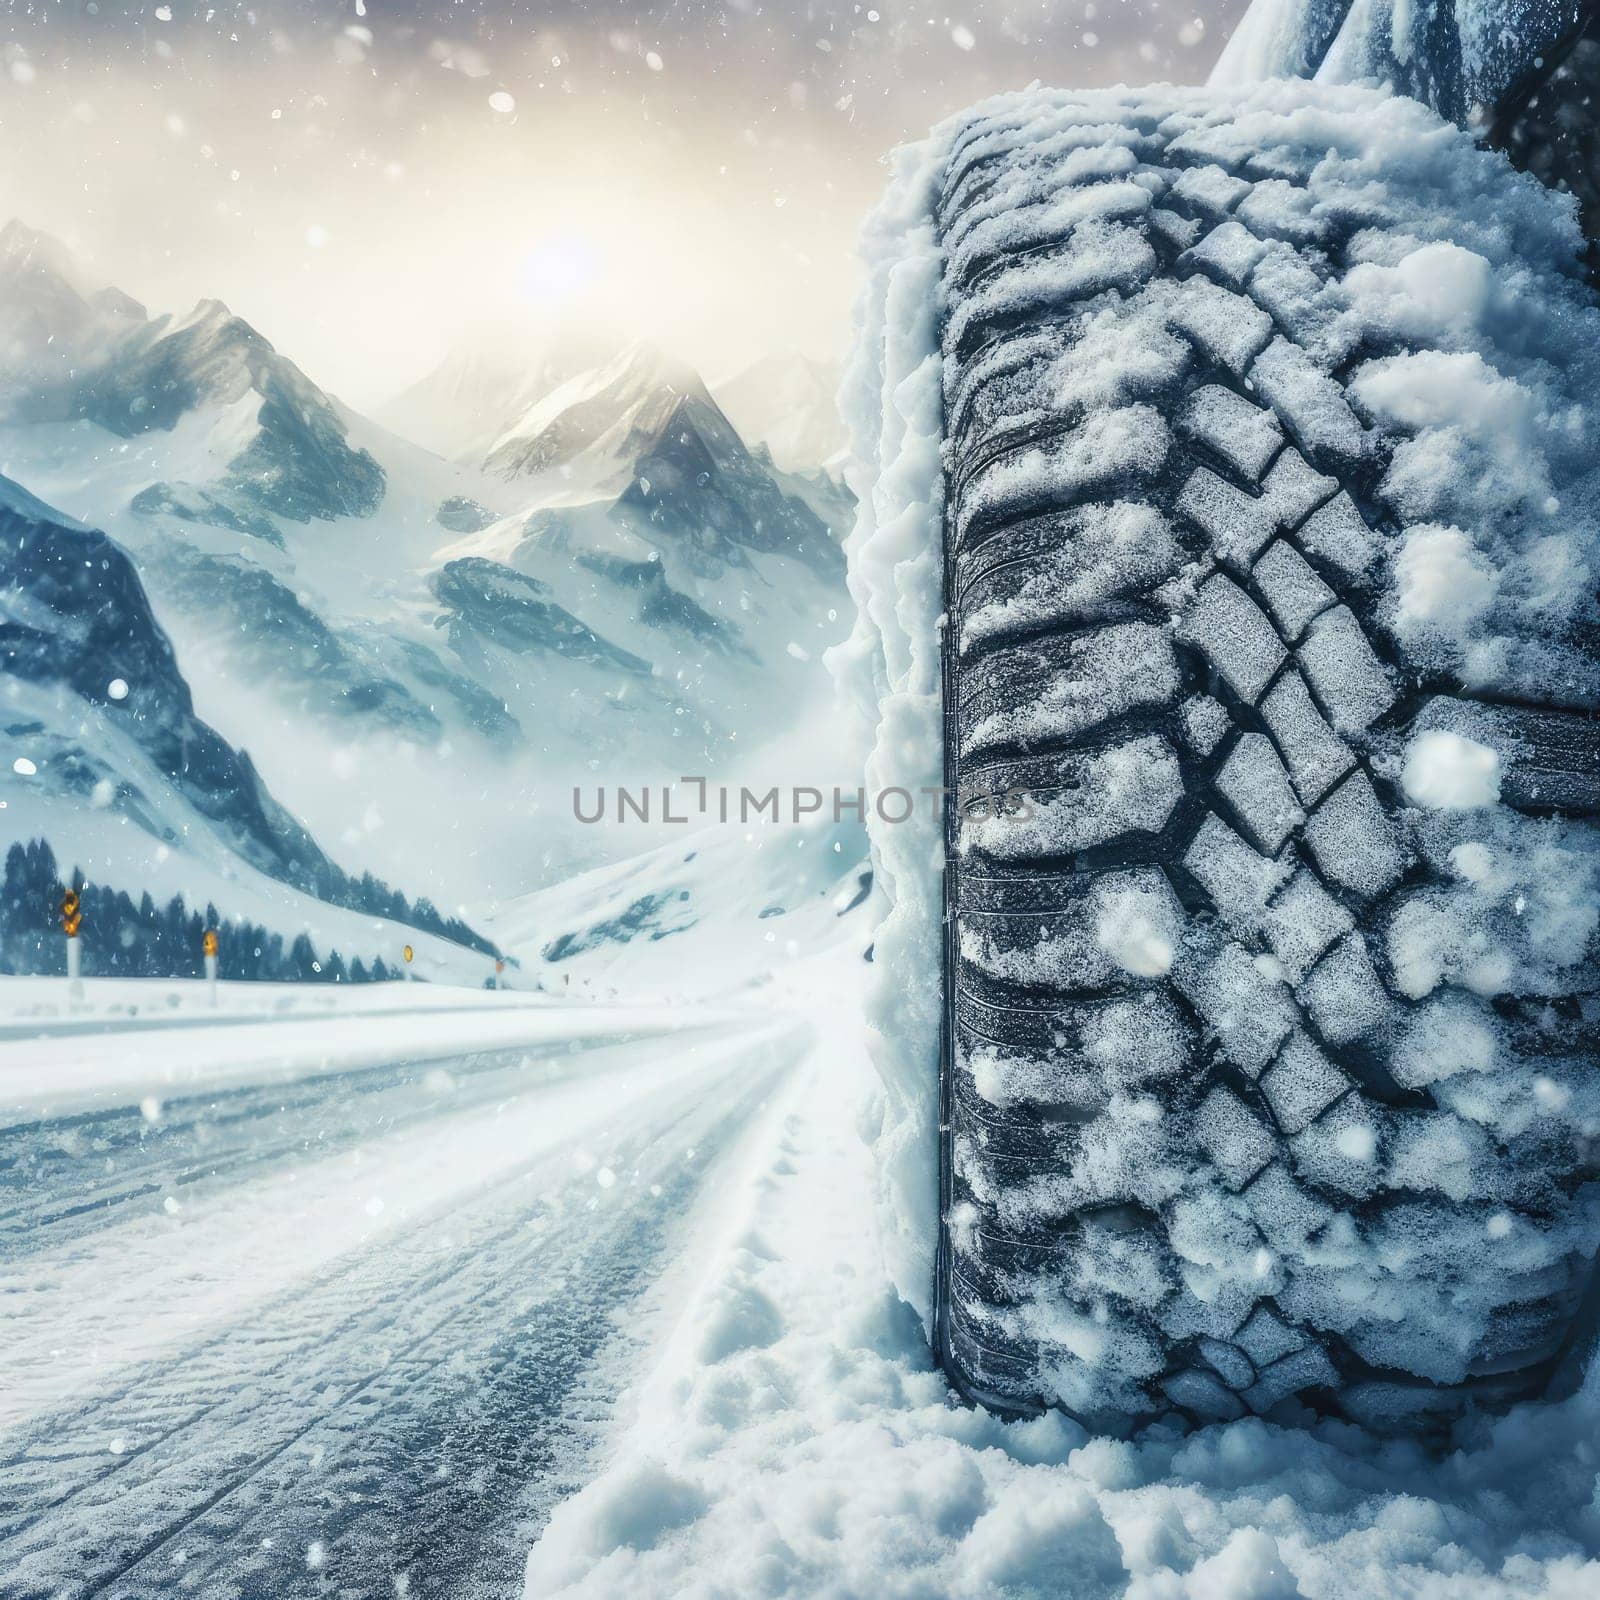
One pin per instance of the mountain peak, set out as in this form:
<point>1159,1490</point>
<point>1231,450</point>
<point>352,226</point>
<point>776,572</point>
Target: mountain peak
<point>212,316</point>
<point>606,415</point>
<point>491,375</point>
<point>787,401</point>
<point>43,262</point>
<point>648,366</point>
<point>19,241</point>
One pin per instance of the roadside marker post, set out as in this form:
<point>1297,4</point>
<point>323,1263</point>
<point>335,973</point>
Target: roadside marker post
<point>209,946</point>
<point>409,954</point>
<point>71,921</point>
<point>499,967</point>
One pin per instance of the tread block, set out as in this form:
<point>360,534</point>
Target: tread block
<point>1340,1150</point>
<point>1286,284</point>
<point>1203,721</point>
<point>1209,190</point>
<point>1204,1394</point>
<point>1353,840</point>
<point>1295,488</point>
<point>1236,524</point>
<point>1295,595</point>
<point>1117,445</point>
<point>976,246</point>
<point>1235,635</point>
<point>1229,253</point>
<point>1239,880</point>
<point>1060,950</point>
<point>1179,232</point>
<point>1313,404</point>
<point>1233,1366</point>
<point>1339,535</point>
<point>1098,258</point>
<point>1307,1368</point>
<point>1131,787</point>
<point>1069,567</point>
<point>1246,436</point>
<point>1235,1140</point>
<point>1265,1338</point>
<point>1286,1214</point>
<point>1131,1040</point>
<point>1057,688</point>
<point>1317,757</point>
<point>1303,923</point>
<point>1301,1084</point>
<point>1226,326</point>
<point>1253,781</point>
<point>1250,1013</point>
<point>1276,209</point>
<point>1345,671</point>
<point>1344,994</point>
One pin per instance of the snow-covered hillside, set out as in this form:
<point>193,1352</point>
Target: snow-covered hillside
<point>106,761</point>
<point>722,910</point>
<point>662,552</point>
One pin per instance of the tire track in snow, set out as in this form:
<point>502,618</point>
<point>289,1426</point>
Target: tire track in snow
<point>402,1418</point>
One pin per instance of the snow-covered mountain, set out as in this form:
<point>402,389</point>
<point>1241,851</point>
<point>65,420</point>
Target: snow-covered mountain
<point>789,403</point>
<point>586,434</point>
<point>106,759</point>
<point>51,314</point>
<point>461,406</point>
<point>651,520</point>
<point>276,446</point>
<point>419,652</point>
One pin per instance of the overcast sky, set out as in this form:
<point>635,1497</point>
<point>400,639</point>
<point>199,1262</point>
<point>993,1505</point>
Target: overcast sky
<point>368,181</point>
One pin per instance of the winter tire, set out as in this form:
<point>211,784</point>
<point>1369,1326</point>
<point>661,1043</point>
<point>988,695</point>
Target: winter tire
<point>1270,1012</point>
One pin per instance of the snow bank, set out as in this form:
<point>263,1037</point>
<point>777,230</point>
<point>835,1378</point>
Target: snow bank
<point>794,1440</point>
<point>890,669</point>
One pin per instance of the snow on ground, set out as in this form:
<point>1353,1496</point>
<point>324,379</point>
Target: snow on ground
<point>793,1438</point>
<point>784,1434</point>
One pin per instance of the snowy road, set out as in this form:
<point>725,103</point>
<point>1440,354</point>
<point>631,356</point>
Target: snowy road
<point>353,1333</point>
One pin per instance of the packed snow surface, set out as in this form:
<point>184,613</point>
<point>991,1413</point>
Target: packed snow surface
<point>339,1298</point>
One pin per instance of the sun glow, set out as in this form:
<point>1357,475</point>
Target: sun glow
<point>558,270</point>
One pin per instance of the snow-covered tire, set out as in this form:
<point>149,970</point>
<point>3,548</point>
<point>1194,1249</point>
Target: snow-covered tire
<point>1269,1073</point>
